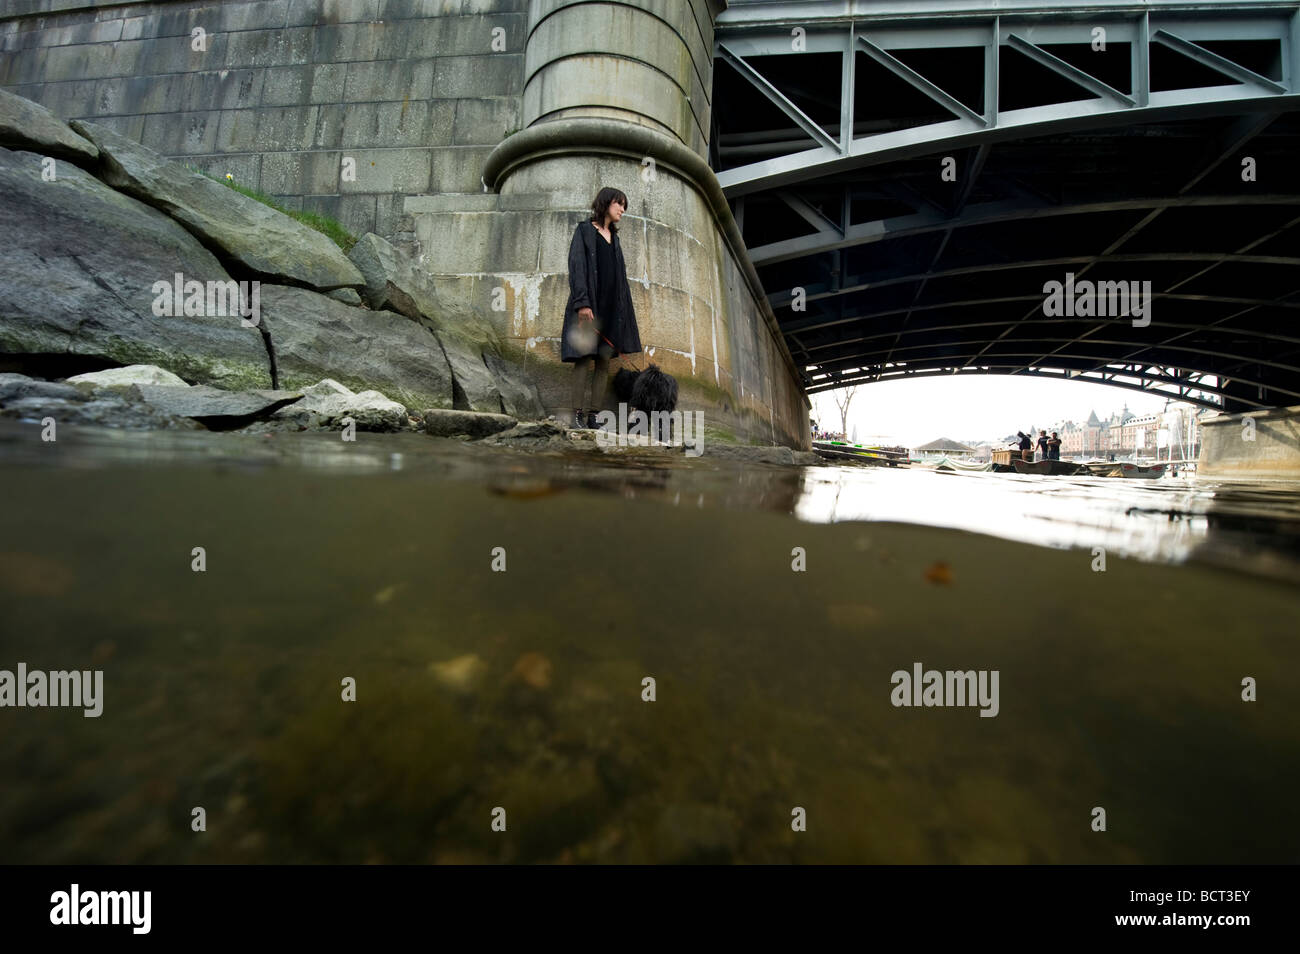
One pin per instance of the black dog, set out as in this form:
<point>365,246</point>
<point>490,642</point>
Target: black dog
<point>624,381</point>
<point>650,390</point>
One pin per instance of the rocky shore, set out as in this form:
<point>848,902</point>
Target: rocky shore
<point>138,293</point>
<point>116,256</point>
<point>151,398</point>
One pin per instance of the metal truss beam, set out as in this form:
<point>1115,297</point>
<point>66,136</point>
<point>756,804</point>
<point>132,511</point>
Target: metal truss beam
<point>1071,73</point>
<point>928,350</point>
<point>826,322</point>
<point>778,98</point>
<point>1025,28</point>
<point>1268,336</point>
<point>769,14</point>
<point>989,213</point>
<point>906,73</point>
<point>859,283</point>
<point>944,367</point>
<point>1215,62</point>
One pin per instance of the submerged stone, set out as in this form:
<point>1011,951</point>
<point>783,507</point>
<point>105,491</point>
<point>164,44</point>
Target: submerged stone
<point>533,669</point>
<point>461,674</point>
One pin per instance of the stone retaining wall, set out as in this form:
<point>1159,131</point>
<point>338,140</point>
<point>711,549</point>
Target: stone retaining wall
<point>412,90</point>
<point>1263,444</point>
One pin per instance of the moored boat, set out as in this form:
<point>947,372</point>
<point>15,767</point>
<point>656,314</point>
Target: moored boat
<point>1103,468</point>
<point>1049,468</point>
<point>947,463</point>
<point>1141,471</point>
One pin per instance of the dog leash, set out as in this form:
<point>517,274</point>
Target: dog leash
<point>614,346</point>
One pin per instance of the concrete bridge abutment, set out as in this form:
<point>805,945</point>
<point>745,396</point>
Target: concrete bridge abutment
<point>616,94</point>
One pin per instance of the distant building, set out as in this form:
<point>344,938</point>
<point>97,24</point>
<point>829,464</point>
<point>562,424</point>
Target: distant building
<point>943,447</point>
<point>1138,435</point>
<point>1097,437</point>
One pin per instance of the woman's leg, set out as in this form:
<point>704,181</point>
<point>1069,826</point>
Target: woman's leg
<point>600,382</point>
<point>581,371</point>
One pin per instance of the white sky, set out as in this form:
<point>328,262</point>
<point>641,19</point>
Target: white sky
<point>972,408</point>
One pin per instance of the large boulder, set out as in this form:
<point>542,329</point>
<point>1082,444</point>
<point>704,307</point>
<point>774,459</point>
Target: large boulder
<point>440,422</point>
<point>212,406</point>
<point>328,404</point>
<point>543,436</point>
<point>476,388</point>
<point>519,395</point>
<point>31,127</point>
<point>125,377</point>
<point>33,400</point>
<point>485,380</point>
<point>15,387</point>
<point>264,241</point>
<point>106,410</point>
<point>315,337</point>
<point>393,279</point>
<point>77,279</point>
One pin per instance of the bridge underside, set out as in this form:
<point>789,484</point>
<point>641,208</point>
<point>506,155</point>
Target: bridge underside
<point>910,191</point>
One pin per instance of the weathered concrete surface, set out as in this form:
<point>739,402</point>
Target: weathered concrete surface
<point>77,274</point>
<point>656,71</point>
<point>1263,444</point>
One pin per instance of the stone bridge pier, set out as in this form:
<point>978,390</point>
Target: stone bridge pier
<point>618,94</point>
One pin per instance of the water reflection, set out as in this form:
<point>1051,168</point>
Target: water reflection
<point>1248,526</point>
<point>1167,520</point>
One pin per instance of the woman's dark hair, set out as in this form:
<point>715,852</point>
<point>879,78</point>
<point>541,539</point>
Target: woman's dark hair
<point>600,205</point>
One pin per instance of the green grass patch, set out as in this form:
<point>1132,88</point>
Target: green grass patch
<point>719,434</point>
<point>323,224</point>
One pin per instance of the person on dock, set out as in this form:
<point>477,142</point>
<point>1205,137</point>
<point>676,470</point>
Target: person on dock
<point>1026,446</point>
<point>1042,445</point>
<point>599,318</point>
<point>1054,447</point>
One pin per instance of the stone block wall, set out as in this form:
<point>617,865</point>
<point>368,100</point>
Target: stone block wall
<point>416,92</point>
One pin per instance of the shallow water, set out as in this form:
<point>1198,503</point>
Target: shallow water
<point>522,689</point>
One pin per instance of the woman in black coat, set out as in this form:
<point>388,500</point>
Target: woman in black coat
<point>599,319</point>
